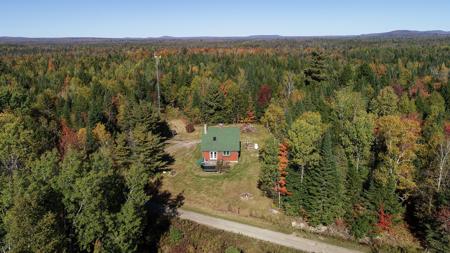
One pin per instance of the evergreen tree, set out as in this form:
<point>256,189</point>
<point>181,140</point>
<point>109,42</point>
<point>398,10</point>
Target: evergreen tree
<point>383,204</point>
<point>213,105</point>
<point>121,153</point>
<point>91,144</point>
<point>66,109</point>
<point>322,199</point>
<point>127,234</point>
<point>143,114</point>
<point>315,72</point>
<point>304,146</point>
<point>354,128</point>
<point>146,150</point>
<point>269,173</point>
<point>346,76</point>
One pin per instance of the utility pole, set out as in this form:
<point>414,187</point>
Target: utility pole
<point>157,82</point>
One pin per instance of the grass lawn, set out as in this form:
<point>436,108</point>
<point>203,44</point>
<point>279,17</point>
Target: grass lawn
<point>219,194</point>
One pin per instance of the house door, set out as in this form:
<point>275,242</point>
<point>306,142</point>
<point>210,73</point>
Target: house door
<point>213,155</point>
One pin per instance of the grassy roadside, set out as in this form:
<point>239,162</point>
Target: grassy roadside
<point>187,236</point>
<point>286,228</point>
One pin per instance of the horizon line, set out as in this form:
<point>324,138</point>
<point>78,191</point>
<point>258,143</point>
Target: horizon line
<point>438,31</point>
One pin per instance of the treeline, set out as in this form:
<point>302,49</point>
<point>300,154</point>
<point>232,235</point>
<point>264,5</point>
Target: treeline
<point>372,153</point>
<point>360,124</point>
<point>83,190</point>
<point>79,164</point>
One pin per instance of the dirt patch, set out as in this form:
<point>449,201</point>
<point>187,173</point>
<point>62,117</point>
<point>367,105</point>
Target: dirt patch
<point>174,146</point>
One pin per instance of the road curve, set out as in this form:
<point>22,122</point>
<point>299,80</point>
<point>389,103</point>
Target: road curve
<point>286,240</point>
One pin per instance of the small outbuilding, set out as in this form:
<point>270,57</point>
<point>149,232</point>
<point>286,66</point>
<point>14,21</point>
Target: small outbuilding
<point>220,144</point>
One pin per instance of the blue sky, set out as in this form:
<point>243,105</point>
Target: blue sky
<point>152,18</point>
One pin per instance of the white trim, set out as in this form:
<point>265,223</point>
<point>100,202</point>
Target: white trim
<point>213,155</point>
<point>226,153</point>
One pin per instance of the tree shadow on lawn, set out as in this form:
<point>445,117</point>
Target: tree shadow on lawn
<point>161,209</point>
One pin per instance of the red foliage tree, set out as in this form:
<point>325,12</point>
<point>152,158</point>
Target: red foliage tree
<point>67,139</point>
<point>443,216</point>
<point>249,117</point>
<point>419,88</point>
<point>398,89</point>
<point>282,165</point>
<point>384,219</point>
<point>447,129</point>
<point>264,95</point>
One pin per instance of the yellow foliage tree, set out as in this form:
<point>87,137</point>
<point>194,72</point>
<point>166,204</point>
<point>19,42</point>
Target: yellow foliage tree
<point>82,136</point>
<point>101,134</point>
<point>399,137</point>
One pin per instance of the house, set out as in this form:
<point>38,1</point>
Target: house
<point>220,144</point>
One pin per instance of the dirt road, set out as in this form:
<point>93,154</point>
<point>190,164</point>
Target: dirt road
<point>287,240</point>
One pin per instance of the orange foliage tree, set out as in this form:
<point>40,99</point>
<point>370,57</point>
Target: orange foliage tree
<point>282,165</point>
<point>384,219</point>
<point>68,138</point>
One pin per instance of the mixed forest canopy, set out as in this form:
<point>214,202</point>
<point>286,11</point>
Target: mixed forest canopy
<point>360,134</point>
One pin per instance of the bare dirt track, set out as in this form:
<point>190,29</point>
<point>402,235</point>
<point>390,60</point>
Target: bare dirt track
<point>287,240</point>
<point>177,145</point>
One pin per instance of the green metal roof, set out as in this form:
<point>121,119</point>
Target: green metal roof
<point>221,139</point>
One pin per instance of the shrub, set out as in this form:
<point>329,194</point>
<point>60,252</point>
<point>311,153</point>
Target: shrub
<point>190,127</point>
<point>175,235</point>
<point>361,226</point>
<point>222,166</point>
<point>232,249</point>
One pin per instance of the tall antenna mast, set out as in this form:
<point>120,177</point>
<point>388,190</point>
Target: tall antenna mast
<point>157,82</point>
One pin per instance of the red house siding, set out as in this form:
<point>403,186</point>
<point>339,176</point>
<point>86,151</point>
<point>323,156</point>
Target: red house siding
<point>234,156</point>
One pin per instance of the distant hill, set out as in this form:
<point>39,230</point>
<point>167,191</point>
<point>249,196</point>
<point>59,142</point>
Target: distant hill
<point>408,34</point>
<point>386,35</point>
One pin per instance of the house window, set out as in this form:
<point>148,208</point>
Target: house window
<point>213,155</point>
<point>226,153</point>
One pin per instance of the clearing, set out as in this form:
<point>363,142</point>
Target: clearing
<point>219,194</point>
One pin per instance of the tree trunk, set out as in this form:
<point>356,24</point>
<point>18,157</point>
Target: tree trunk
<point>357,163</point>
<point>301,175</point>
<point>444,150</point>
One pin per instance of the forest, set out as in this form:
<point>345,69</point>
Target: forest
<point>360,135</point>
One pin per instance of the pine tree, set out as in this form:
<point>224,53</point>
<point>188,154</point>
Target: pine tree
<point>67,109</point>
<point>292,203</point>
<point>323,188</point>
<point>128,231</point>
<point>146,149</point>
<point>91,144</point>
<point>383,204</point>
<point>269,173</point>
<point>315,73</point>
<point>142,113</point>
<point>304,146</point>
<point>213,105</point>
<point>121,153</point>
